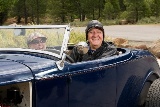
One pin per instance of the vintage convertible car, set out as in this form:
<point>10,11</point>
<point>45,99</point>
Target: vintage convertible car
<point>50,78</point>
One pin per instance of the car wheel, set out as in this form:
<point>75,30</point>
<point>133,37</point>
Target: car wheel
<point>153,96</point>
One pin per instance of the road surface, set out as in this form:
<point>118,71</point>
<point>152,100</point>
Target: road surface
<point>131,32</point>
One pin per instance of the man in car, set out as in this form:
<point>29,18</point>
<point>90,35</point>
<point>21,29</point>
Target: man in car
<point>97,47</point>
<point>36,41</point>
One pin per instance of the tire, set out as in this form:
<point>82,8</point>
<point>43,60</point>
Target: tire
<point>153,96</point>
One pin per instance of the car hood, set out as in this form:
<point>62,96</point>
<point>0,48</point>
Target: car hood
<point>11,72</point>
<point>20,67</point>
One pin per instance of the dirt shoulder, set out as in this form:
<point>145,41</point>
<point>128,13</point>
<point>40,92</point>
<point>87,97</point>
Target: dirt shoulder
<point>148,45</point>
<point>153,47</point>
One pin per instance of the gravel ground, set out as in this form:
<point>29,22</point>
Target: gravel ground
<point>148,44</point>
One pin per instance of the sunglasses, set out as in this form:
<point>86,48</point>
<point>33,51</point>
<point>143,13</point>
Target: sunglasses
<point>38,41</point>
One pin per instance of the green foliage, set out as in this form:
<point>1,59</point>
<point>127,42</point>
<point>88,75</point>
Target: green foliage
<point>10,40</point>
<point>5,7</point>
<point>66,11</point>
<point>149,20</point>
<point>124,15</point>
<point>111,9</point>
<point>108,10</point>
<point>76,37</point>
<point>155,7</point>
<point>137,9</point>
<point>109,22</point>
<point>146,10</point>
<point>6,4</point>
<point>79,23</point>
<point>29,9</point>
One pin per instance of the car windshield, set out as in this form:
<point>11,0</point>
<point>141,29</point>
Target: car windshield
<point>20,38</point>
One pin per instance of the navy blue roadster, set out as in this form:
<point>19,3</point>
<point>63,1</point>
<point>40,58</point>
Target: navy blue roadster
<point>49,78</point>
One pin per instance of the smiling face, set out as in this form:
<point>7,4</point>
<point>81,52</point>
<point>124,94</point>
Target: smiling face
<point>38,44</point>
<point>95,38</point>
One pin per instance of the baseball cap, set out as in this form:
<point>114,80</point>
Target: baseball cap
<point>35,35</point>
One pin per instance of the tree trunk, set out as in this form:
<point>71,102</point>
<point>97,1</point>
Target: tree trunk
<point>93,17</point>
<point>99,9</point>
<point>136,14</point>
<point>37,2</point>
<point>25,12</point>
<point>3,17</point>
<point>18,20</point>
<point>83,17</point>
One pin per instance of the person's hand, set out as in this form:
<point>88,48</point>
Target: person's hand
<point>82,48</point>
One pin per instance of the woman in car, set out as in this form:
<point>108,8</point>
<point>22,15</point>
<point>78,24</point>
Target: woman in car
<point>36,41</point>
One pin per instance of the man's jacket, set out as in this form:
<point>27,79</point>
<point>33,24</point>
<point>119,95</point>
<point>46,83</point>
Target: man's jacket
<point>105,50</point>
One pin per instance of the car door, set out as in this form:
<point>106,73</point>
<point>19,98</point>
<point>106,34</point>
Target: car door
<point>133,69</point>
<point>93,83</point>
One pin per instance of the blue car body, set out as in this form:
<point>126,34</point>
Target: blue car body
<point>116,81</point>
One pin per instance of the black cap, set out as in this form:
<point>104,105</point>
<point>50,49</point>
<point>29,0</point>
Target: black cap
<point>94,24</point>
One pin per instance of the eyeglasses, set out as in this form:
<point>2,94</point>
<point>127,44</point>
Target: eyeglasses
<point>38,41</point>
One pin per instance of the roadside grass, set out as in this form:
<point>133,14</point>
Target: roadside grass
<point>106,22</point>
<point>10,40</point>
<point>76,37</point>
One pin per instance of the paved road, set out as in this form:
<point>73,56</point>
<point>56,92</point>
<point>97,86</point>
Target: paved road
<point>131,32</point>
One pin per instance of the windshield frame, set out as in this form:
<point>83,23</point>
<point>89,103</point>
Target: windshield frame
<point>63,46</point>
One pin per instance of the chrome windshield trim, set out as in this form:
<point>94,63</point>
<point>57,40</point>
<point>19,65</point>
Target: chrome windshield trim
<point>33,26</point>
<point>64,43</point>
<point>29,50</point>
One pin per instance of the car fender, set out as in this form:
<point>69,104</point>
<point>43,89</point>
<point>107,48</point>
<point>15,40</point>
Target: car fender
<point>13,72</point>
